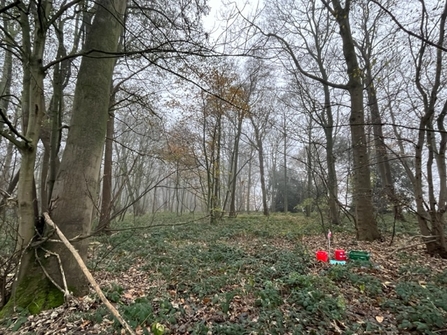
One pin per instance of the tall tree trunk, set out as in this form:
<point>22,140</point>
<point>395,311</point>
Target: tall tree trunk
<point>234,173</point>
<point>440,157</point>
<point>422,215</point>
<point>327,120</point>
<point>286,184</point>
<point>8,168</point>
<point>309,169</point>
<point>60,79</point>
<point>366,224</point>
<point>381,151</point>
<point>45,165</point>
<point>5,81</point>
<point>32,113</point>
<point>260,148</point>
<point>382,157</point>
<point>274,183</point>
<point>332,187</point>
<point>106,199</point>
<point>249,178</point>
<point>362,194</point>
<point>208,157</point>
<point>215,210</point>
<point>75,190</point>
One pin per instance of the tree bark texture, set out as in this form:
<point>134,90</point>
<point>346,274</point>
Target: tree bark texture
<point>5,91</point>
<point>33,106</point>
<point>260,148</point>
<point>75,190</point>
<point>234,173</point>
<point>106,199</point>
<point>362,192</point>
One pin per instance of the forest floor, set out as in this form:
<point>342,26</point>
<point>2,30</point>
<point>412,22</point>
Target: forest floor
<point>252,275</point>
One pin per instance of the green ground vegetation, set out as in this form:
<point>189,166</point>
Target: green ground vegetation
<point>257,275</point>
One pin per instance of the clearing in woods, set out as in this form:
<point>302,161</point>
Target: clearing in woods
<point>251,275</point>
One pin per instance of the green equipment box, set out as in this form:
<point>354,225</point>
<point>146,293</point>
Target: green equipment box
<point>356,255</point>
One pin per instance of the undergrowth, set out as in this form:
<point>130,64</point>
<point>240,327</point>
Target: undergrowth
<point>257,275</point>
<point>254,275</point>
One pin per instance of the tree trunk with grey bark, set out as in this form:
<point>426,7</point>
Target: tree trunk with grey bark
<point>75,191</point>
<point>366,224</point>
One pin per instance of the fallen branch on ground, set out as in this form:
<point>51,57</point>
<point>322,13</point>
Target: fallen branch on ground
<point>88,275</point>
<point>426,237</point>
<point>411,246</point>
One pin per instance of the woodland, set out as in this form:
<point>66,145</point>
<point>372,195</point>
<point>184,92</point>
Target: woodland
<point>172,167</point>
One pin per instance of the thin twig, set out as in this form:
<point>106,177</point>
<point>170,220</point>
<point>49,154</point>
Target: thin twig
<point>46,273</point>
<point>64,281</point>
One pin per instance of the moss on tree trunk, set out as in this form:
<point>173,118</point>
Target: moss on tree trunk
<point>75,190</point>
<point>33,294</point>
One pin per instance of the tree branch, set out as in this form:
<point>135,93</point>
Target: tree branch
<point>298,66</point>
<point>88,275</point>
<point>409,32</point>
<point>12,139</point>
<point>14,4</point>
<point>18,144</point>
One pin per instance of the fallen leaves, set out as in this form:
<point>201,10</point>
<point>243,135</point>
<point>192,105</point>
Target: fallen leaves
<point>235,302</point>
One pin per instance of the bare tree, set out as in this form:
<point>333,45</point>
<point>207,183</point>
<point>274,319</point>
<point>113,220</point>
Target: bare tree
<point>430,214</point>
<point>362,192</point>
<point>370,27</point>
<point>364,212</point>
